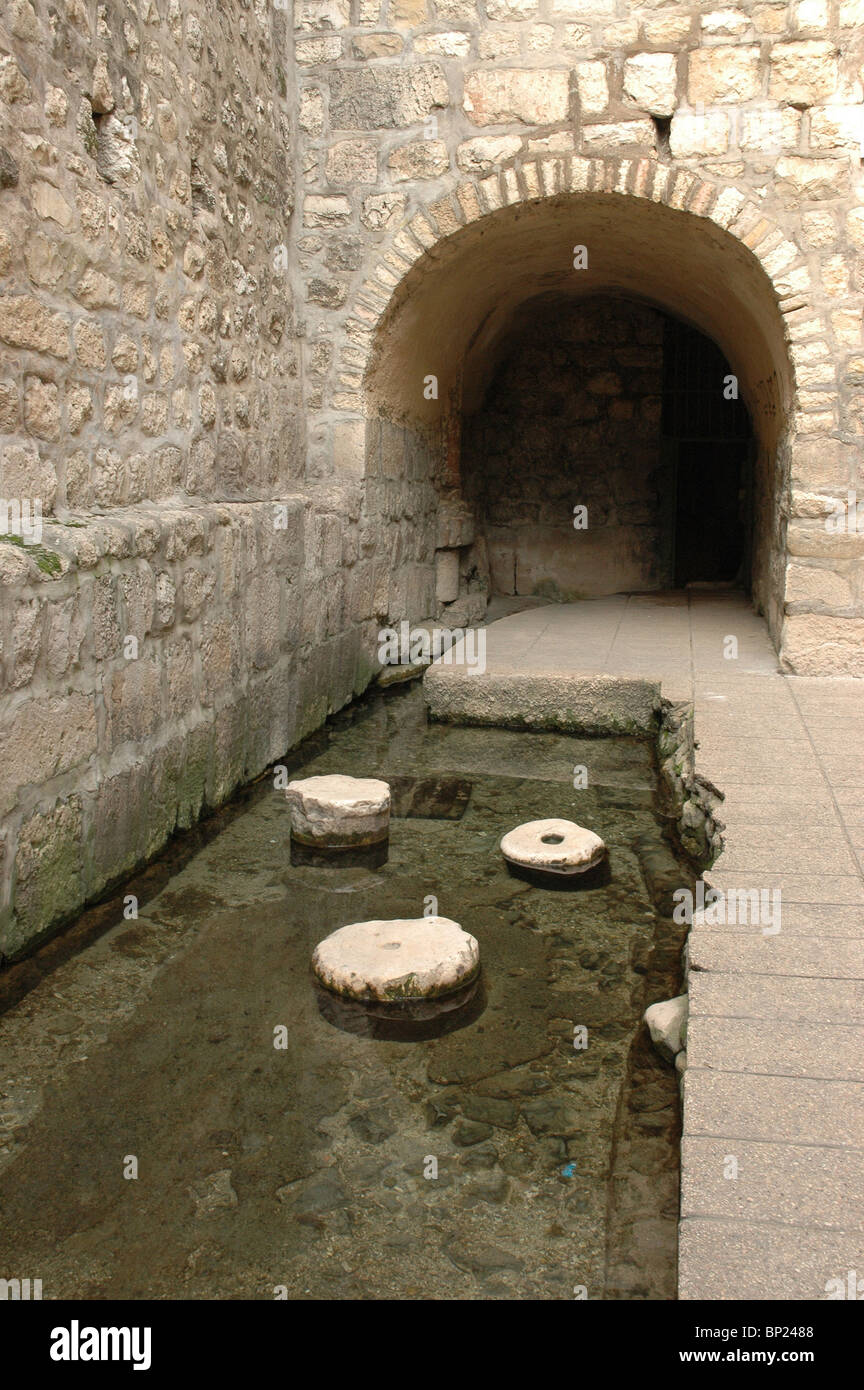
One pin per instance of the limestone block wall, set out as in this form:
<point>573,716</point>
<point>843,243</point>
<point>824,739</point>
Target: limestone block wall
<point>423,122</point>
<point>197,600</point>
<point>146,316</point>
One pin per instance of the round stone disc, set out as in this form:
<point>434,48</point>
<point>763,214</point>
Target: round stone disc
<point>405,958</point>
<point>553,847</point>
<point>339,812</point>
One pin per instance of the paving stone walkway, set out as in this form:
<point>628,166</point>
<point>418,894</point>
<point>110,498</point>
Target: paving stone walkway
<point>772,1203</point>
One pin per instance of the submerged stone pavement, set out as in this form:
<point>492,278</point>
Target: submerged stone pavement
<point>774,1086</point>
<point>303,1167</point>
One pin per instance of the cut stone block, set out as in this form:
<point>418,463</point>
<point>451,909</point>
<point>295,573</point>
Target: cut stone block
<point>338,812</point>
<point>573,703</point>
<point>446,575</point>
<point>455,525</point>
<point>553,846</point>
<point>750,1260</point>
<point>402,959</point>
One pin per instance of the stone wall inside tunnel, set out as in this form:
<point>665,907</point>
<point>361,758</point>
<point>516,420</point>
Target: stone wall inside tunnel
<point>259,264</point>
<point>572,421</point>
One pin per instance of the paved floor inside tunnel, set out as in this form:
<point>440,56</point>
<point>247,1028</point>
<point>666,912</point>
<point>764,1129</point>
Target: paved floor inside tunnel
<point>672,636</point>
<point>305,1168</point>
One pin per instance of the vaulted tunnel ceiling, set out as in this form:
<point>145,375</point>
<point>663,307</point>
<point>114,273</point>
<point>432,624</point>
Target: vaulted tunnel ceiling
<point>453,312</point>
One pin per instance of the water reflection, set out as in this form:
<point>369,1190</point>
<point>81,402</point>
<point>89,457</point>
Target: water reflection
<point>362,857</point>
<point>598,877</point>
<point>407,1020</point>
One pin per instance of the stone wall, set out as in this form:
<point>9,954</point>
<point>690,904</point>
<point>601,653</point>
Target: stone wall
<point>147,316</point>
<point>156,661</point>
<point>426,123</point>
<point>197,600</point>
<point>149,356</point>
<point>571,420</point>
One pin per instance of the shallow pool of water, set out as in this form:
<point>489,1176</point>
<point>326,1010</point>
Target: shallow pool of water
<point>281,1146</point>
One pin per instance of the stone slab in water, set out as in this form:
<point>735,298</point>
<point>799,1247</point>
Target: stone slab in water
<point>397,959</point>
<point>663,873</point>
<point>459,694</point>
<point>553,846</point>
<point>339,812</point>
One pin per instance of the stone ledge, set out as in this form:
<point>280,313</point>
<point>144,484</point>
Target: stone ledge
<point>80,540</point>
<point>588,704</point>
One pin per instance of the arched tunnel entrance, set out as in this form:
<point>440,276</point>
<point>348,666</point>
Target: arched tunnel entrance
<point>611,453</point>
<point>601,352</point>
